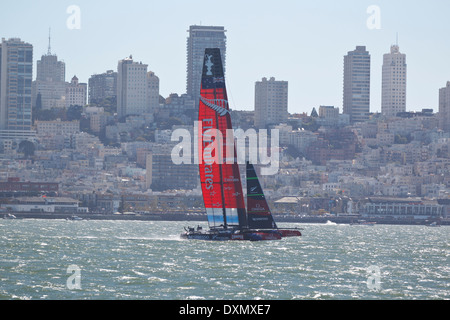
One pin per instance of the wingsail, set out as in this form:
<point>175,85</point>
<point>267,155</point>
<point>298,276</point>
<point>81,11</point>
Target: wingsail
<point>220,180</point>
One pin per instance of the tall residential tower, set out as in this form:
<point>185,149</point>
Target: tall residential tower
<point>102,86</point>
<point>444,108</point>
<point>393,97</point>
<point>16,72</point>
<point>132,88</point>
<point>200,38</point>
<point>271,102</point>
<point>357,84</point>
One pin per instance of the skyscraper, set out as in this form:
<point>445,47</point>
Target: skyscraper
<point>50,81</point>
<point>102,86</point>
<point>152,91</point>
<point>271,102</point>
<point>201,37</point>
<point>393,97</point>
<point>444,108</point>
<point>16,72</point>
<point>132,87</point>
<point>49,68</point>
<point>357,84</point>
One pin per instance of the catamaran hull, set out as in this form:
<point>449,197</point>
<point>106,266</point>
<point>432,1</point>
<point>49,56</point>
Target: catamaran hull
<point>229,236</point>
<point>289,233</point>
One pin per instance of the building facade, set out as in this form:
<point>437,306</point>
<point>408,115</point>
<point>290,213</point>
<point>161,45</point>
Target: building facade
<point>444,108</point>
<point>162,174</point>
<point>403,208</point>
<point>201,37</point>
<point>16,73</point>
<point>50,82</point>
<point>393,96</point>
<point>76,93</point>
<point>132,87</point>
<point>57,128</point>
<point>102,86</point>
<point>152,92</point>
<point>271,102</point>
<point>356,101</point>
<point>47,204</point>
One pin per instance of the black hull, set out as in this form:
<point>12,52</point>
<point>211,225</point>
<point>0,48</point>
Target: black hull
<point>232,235</point>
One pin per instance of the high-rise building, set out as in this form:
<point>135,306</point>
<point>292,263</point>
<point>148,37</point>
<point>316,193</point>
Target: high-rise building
<point>50,81</point>
<point>102,86</point>
<point>200,38</point>
<point>152,91</point>
<point>132,87</point>
<point>271,102</point>
<point>76,93</point>
<point>16,72</point>
<point>49,68</point>
<point>444,108</point>
<point>393,97</point>
<point>356,102</point>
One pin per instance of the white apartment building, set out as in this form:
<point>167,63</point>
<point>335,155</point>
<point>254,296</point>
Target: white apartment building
<point>393,91</point>
<point>132,88</point>
<point>57,127</point>
<point>271,102</point>
<point>76,93</point>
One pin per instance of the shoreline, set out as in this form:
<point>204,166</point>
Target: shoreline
<point>202,218</point>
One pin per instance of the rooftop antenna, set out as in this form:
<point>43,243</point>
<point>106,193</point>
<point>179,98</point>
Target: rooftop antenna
<point>49,47</point>
<point>396,40</point>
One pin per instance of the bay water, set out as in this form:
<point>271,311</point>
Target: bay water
<point>71,260</point>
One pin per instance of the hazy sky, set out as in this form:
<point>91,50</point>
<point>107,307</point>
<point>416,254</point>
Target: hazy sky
<point>302,42</point>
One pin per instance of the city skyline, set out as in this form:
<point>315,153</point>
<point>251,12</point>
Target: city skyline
<point>303,44</point>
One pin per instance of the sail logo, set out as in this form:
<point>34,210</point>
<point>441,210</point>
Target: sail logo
<point>208,64</point>
<point>218,105</point>
<point>258,207</point>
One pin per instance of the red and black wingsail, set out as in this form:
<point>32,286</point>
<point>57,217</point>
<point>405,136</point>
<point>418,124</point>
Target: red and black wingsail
<point>220,178</point>
<point>258,211</point>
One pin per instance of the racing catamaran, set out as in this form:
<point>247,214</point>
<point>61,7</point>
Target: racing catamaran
<point>219,176</point>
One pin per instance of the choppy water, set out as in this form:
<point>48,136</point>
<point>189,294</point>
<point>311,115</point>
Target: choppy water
<point>57,259</point>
